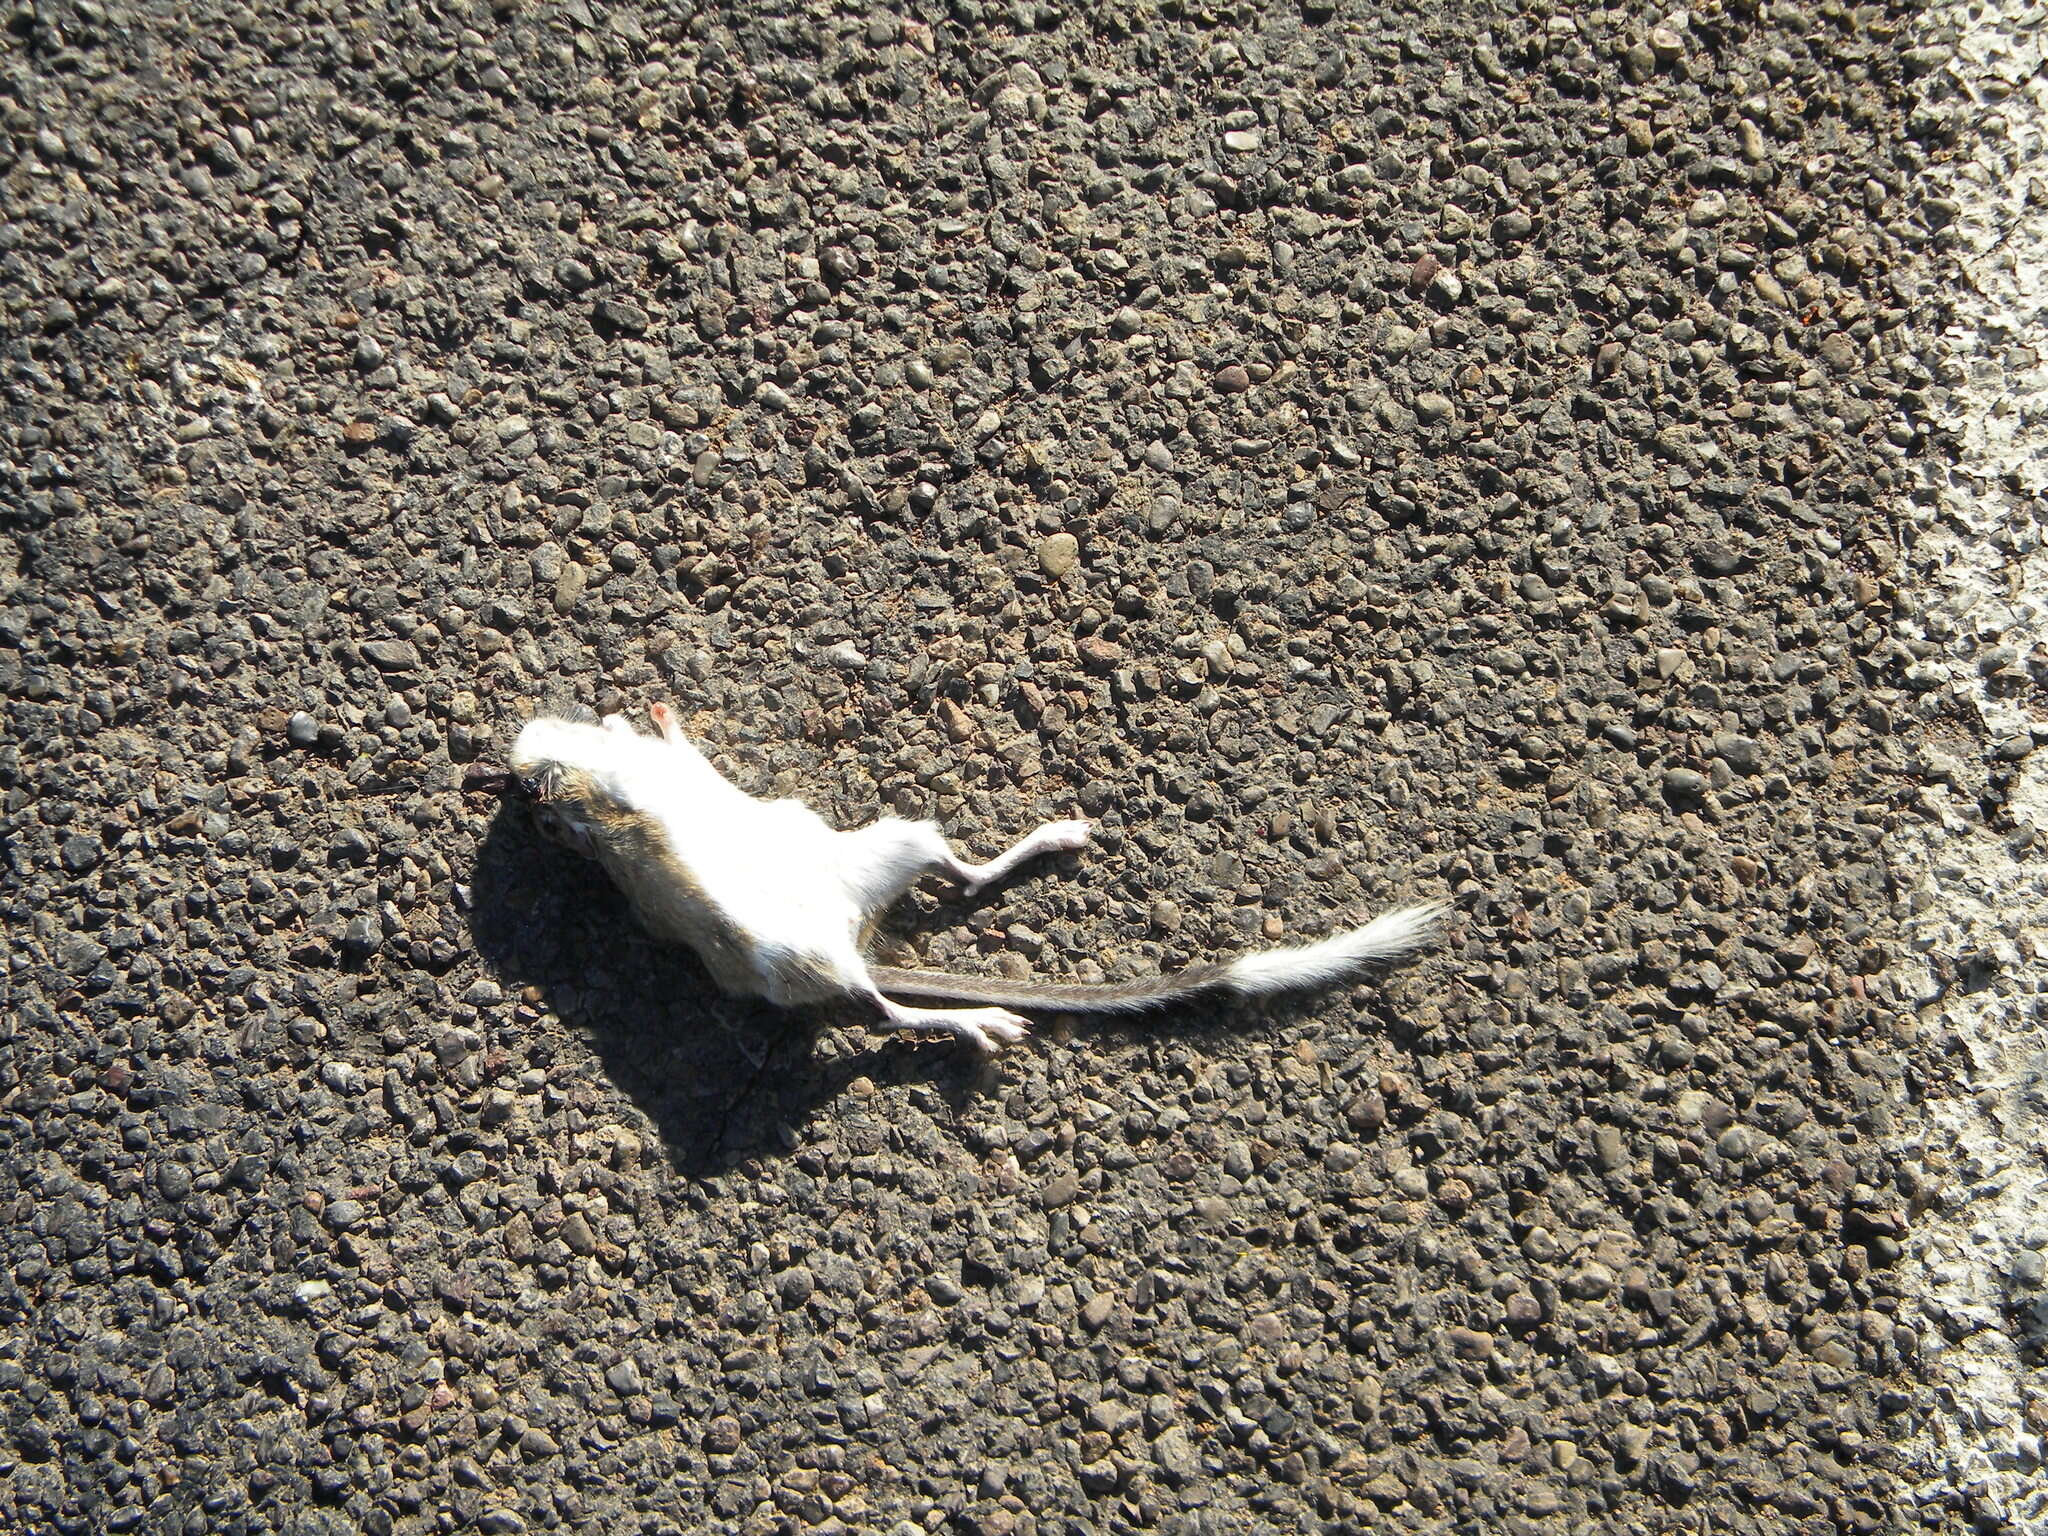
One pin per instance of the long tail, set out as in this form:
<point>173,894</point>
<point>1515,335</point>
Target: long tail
<point>1383,941</point>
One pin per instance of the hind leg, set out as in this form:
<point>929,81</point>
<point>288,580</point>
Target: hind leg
<point>879,863</point>
<point>1052,837</point>
<point>988,1030</point>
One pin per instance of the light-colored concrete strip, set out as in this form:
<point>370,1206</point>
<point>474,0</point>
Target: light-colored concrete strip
<point>1974,871</point>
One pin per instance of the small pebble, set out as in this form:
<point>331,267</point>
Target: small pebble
<point>1684,783</point>
<point>1059,554</point>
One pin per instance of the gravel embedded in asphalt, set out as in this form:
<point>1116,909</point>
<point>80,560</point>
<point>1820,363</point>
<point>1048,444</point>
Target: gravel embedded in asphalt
<point>1349,457</point>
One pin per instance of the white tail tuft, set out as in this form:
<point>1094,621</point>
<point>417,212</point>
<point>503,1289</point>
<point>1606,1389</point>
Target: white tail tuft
<point>1393,936</point>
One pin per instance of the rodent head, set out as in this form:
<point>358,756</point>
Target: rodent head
<point>553,795</point>
<point>559,823</point>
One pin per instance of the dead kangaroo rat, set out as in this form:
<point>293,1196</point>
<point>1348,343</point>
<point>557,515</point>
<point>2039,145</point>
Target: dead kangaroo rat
<point>779,905</point>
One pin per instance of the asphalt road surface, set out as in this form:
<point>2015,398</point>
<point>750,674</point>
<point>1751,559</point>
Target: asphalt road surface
<point>1580,463</point>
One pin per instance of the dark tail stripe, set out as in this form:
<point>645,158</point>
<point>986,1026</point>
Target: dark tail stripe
<point>1111,997</point>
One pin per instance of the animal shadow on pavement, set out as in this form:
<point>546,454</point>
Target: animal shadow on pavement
<point>723,1079</point>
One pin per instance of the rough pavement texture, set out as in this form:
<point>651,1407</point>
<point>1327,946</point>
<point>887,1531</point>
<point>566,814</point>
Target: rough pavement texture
<point>1349,453</point>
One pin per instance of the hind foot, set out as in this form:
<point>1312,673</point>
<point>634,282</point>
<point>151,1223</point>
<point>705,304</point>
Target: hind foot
<point>988,1030</point>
